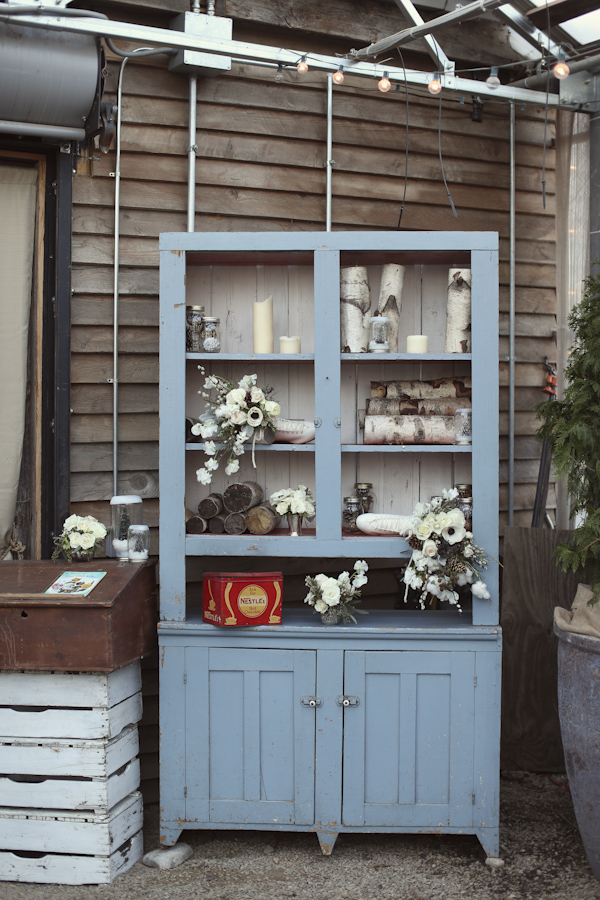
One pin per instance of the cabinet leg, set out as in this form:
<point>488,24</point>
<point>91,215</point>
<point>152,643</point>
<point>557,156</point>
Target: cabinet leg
<point>327,841</point>
<point>489,838</point>
<point>169,834</point>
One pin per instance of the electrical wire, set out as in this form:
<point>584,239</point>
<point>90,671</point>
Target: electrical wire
<point>62,11</point>
<point>442,161</point>
<point>141,51</point>
<point>546,116</point>
<point>406,142</point>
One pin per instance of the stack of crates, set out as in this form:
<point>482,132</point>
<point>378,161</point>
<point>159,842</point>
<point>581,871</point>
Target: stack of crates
<point>70,808</point>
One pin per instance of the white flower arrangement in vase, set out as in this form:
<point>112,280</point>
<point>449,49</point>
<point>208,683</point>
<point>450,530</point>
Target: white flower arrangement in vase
<point>294,502</point>
<point>79,538</point>
<point>336,598</point>
<point>238,414</point>
<point>444,556</point>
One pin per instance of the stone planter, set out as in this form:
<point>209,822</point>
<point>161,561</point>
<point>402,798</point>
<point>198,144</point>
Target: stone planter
<point>579,711</point>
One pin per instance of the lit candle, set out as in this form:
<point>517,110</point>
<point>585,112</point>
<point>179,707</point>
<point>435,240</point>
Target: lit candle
<point>263,325</point>
<point>416,343</point>
<point>289,344</point>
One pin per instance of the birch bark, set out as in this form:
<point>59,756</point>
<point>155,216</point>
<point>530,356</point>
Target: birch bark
<point>390,299</point>
<point>458,312</point>
<point>355,309</point>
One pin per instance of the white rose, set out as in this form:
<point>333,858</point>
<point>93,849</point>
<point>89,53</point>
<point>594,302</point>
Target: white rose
<point>99,531</point>
<point>281,508</point>
<point>272,408</point>
<point>232,467</point>
<point>455,517</point>
<point>70,522</point>
<point>238,417</point>
<point>256,395</point>
<point>320,579</point>
<point>87,541</point>
<point>330,591</point>
<point>75,540</point>
<point>430,549</point>
<point>320,605</point>
<point>441,521</point>
<point>298,506</point>
<point>453,534</point>
<point>423,530</point>
<point>236,397</point>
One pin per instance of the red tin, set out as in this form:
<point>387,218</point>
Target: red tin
<point>242,598</point>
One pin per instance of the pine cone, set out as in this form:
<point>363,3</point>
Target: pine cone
<point>456,565</point>
<point>415,543</point>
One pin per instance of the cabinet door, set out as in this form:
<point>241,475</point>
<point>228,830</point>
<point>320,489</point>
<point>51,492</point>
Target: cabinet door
<point>408,744</point>
<point>250,740</point>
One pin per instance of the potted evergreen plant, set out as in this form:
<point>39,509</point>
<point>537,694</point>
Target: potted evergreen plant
<point>572,426</point>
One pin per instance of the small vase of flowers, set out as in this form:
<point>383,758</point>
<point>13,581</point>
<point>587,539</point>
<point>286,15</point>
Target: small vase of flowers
<point>336,598</point>
<point>238,414</point>
<point>444,556</point>
<point>296,504</point>
<point>79,539</point>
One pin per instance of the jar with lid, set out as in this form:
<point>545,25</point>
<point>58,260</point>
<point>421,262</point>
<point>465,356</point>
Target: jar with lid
<point>125,510</point>
<point>352,510</point>
<point>465,503</point>
<point>211,334</point>
<point>379,333</point>
<point>193,329</point>
<point>462,425</point>
<point>364,492</point>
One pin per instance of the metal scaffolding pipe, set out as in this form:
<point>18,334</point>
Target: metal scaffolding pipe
<point>329,162</point>
<point>192,149</point>
<point>511,326</point>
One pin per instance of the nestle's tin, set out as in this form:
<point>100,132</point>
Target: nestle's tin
<point>242,598</point>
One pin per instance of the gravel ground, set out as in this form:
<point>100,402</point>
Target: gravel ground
<point>540,846</point>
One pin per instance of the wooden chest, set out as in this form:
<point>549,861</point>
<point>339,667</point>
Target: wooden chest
<point>111,627</point>
<point>242,598</point>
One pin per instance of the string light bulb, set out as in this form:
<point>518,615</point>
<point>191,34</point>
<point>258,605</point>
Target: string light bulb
<point>435,85</point>
<point>338,76</point>
<point>384,84</point>
<point>302,65</point>
<point>492,80</point>
<point>279,73</point>
<point>560,69</point>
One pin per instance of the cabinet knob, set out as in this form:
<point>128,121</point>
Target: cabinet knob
<point>347,700</point>
<point>311,701</point>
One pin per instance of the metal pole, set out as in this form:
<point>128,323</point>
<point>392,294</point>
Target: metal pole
<point>192,148</point>
<point>511,328</point>
<point>329,161</point>
<point>115,375</point>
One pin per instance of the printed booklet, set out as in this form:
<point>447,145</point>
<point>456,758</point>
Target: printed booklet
<point>76,583</point>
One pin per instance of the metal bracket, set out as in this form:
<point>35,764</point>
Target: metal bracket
<point>318,422</point>
<point>337,423</point>
<point>347,700</point>
<point>311,701</point>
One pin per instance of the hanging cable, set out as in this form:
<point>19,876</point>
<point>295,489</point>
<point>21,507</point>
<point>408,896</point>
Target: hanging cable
<point>442,161</point>
<point>546,116</point>
<point>406,140</point>
<point>147,51</point>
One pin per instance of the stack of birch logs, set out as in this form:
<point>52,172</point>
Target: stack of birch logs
<point>238,509</point>
<point>415,412</point>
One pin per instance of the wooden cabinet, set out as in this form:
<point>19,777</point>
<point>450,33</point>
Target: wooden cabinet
<point>391,725</point>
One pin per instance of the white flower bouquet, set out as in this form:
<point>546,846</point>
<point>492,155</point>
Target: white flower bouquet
<point>337,597</point>
<point>234,417</point>
<point>298,501</point>
<point>80,534</point>
<point>444,556</point>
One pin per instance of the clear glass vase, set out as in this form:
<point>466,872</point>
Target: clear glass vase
<point>330,616</point>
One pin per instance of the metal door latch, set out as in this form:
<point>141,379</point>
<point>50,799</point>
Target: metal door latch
<point>346,700</point>
<point>311,701</point>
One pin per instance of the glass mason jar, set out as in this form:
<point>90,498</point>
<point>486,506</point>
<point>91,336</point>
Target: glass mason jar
<point>352,509</point>
<point>462,425</point>
<point>125,510</point>
<point>211,334</point>
<point>465,503</point>
<point>379,334</point>
<point>138,540</point>
<point>193,329</point>
<point>364,492</point>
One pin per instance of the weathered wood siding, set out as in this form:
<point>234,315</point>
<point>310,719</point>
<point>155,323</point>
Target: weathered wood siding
<point>261,149</point>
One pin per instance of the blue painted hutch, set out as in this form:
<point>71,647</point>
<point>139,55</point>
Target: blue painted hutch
<point>391,725</point>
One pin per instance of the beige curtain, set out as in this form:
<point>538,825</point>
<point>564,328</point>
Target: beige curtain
<point>572,236</point>
<point>18,193</point>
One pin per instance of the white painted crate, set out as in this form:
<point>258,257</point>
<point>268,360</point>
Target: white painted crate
<point>77,848</point>
<point>69,705</point>
<point>62,774</point>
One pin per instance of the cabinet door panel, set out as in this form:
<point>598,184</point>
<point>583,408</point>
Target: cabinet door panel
<point>250,744</point>
<point>408,745</point>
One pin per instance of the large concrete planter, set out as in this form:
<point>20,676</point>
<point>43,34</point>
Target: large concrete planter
<point>579,711</point>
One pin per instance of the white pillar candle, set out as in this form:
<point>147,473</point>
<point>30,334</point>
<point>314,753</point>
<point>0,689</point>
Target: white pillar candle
<point>262,322</point>
<point>416,343</point>
<point>289,344</point>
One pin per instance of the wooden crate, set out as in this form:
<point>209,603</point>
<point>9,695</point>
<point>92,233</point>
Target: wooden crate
<point>78,848</point>
<point>67,774</point>
<point>111,627</point>
<point>69,705</point>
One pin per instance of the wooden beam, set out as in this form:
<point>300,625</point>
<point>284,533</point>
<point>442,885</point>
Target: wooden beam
<point>560,11</point>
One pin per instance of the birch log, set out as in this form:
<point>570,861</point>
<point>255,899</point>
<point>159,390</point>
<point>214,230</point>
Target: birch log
<point>409,430</point>
<point>390,299</point>
<point>416,407</point>
<point>438,389</point>
<point>262,519</point>
<point>458,312</point>
<point>355,309</point>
